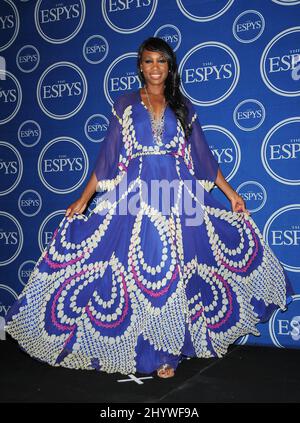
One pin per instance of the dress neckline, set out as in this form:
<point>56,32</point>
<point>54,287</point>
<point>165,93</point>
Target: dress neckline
<point>144,105</point>
<point>151,119</point>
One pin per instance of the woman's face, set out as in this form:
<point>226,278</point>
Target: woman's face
<point>154,67</point>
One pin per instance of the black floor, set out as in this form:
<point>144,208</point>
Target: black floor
<point>245,375</point>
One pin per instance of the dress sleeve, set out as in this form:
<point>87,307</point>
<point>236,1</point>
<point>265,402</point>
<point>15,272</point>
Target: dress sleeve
<point>205,165</point>
<point>106,163</point>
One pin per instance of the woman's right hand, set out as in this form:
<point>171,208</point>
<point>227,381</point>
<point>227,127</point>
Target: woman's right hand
<point>77,207</point>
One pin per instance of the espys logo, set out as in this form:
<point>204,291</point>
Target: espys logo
<point>280,151</point>
<point>121,76</point>
<point>7,297</point>
<point>209,72</point>
<point>10,96</point>
<point>282,233</point>
<point>11,168</point>
<point>95,49</point>
<point>63,165</point>
<point>249,114</point>
<point>48,226</point>
<point>279,59</point>
<point>9,24</point>
<point>11,238</point>
<point>284,326</point>
<point>96,127</point>
<point>59,22</point>
<point>25,271</point>
<point>29,133</point>
<point>171,34</point>
<point>138,13</point>
<point>62,90</point>
<point>225,148</point>
<point>254,194</point>
<point>206,12</point>
<point>30,203</point>
<point>248,26</point>
<point>28,58</point>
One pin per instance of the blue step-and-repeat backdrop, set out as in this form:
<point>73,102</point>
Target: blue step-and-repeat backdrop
<point>64,62</point>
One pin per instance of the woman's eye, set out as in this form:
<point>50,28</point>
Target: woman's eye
<point>160,61</point>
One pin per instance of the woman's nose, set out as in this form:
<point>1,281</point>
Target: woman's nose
<point>155,65</point>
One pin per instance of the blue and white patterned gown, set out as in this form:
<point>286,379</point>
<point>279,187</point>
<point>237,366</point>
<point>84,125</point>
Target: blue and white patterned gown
<point>126,293</point>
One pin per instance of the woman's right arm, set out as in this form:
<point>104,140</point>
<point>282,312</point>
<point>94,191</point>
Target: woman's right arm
<point>90,188</point>
<point>106,164</point>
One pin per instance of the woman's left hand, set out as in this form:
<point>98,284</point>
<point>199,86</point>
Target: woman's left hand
<point>238,204</point>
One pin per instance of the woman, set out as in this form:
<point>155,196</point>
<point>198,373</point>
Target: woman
<point>142,289</point>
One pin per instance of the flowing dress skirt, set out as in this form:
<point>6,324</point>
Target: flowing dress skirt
<point>127,292</point>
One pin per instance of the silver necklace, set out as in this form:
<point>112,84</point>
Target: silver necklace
<point>157,125</point>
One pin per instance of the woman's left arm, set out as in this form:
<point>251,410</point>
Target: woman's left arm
<point>206,166</point>
<point>237,202</point>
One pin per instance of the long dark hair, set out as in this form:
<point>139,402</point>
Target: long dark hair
<point>172,92</point>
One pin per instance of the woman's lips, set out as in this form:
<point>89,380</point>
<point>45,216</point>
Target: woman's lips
<point>155,75</point>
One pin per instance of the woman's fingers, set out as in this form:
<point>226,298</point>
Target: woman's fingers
<point>76,208</point>
<point>70,212</point>
<point>242,208</point>
<point>239,206</point>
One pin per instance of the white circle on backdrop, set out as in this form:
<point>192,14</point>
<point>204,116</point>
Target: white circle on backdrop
<point>58,40</point>
<point>21,240</point>
<point>175,28</point>
<point>263,73</point>
<point>269,222</point>
<point>109,69</point>
<point>235,60</point>
<point>261,187</point>
<point>43,224</point>
<point>252,127</point>
<point>16,28</point>
<point>105,55</point>
<point>20,267</point>
<point>37,63</point>
<point>85,90</point>
<point>19,89</point>
<point>193,17</point>
<point>260,32</point>
<point>125,30</point>
<point>41,156</point>
<point>86,124</point>
<point>38,138</point>
<point>263,152</point>
<point>38,209</point>
<point>20,161</point>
